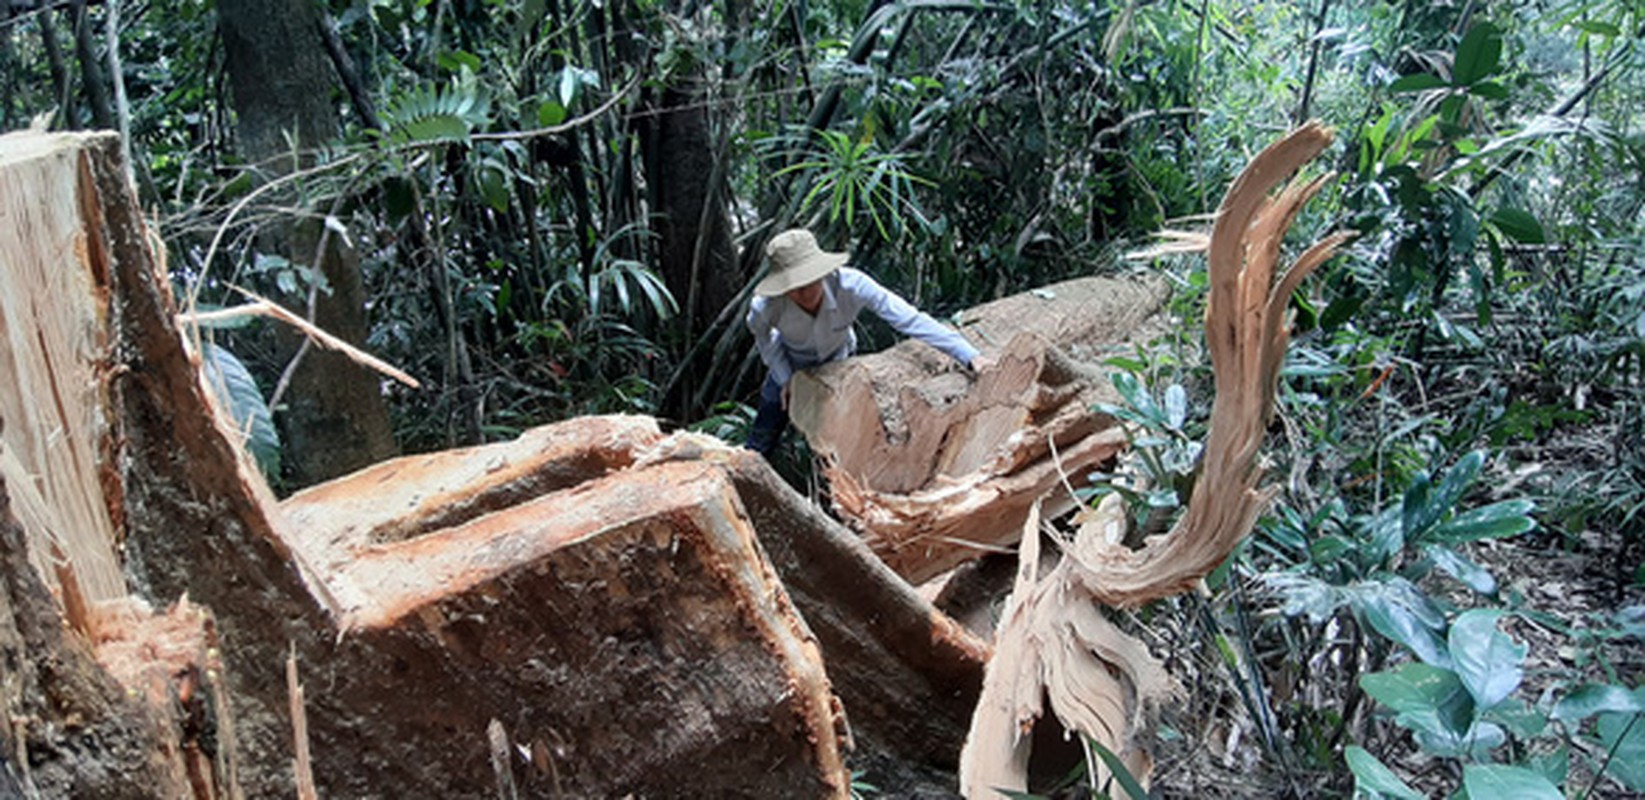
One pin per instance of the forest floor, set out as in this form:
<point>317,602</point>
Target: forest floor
<point>1574,584</point>
<point>1209,748</point>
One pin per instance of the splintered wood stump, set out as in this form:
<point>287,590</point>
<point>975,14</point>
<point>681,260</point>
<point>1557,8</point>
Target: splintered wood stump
<point>934,466</point>
<point>1055,645</point>
<point>55,442</point>
<point>71,729</point>
<point>142,722</point>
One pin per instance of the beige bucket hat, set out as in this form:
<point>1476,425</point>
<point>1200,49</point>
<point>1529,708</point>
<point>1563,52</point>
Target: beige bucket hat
<point>796,260</point>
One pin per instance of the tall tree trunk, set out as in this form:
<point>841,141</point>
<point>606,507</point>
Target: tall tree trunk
<point>92,78</point>
<point>59,73</point>
<point>696,256</point>
<point>685,182</point>
<point>336,420</point>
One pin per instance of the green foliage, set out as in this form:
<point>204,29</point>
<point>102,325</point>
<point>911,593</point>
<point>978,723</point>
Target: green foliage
<point>429,115</point>
<point>237,391</point>
<point>1164,446</point>
<point>853,181</point>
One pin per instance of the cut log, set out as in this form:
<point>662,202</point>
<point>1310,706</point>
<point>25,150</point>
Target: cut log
<point>954,462</point>
<point>908,674</point>
<point>626,628</point>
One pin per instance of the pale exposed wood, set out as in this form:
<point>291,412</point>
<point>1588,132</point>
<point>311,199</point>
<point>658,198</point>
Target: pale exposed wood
<point>302,767</point>
<point>1055,642</point>
<point>405,497</point>
<point>261,307</point>
<point>954,461</point>
<point>56,699</point>
<point>170,660</point>
<point>54,441</point>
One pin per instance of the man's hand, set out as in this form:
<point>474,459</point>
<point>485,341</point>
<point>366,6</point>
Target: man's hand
<point>981,362</point>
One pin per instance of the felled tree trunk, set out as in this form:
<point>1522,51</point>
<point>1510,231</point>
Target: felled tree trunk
<point>934,466</point>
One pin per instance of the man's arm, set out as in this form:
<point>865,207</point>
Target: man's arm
<point>905,318</point>
<point>768,342</point>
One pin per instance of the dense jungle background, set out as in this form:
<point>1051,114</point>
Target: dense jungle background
<point>546,208</point>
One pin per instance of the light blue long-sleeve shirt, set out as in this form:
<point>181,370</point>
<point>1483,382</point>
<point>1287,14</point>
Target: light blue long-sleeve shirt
<point>788,338</point>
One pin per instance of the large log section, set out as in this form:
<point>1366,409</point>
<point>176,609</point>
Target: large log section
<point>584,612</point>
<point>955,462</point>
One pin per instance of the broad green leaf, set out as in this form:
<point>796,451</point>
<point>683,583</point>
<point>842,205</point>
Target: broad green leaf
<point>494,188</point>
<point>1478,55</point>
<point>1176,406</point>
<point>569,84</point>
<point>1490,90</point>
<point>1519,717</point>
<point>1386,533</point>
<point>224,324</point>
<point>1507,518</point>
<point>1329,548</point>
<point>1623,737</point>
<point>1414,516</point>
<point>550,113</point>
<point>1421,81</point>
<point>1487,660</point>
<point>1494,781</point>
<point>1519,225</point>
<point>1460,567</point>
<point>234,387</point>
<point>1130,389</point>
<point>432,129</point>
<point>1370,775</point>
<point>1457,480</point>
<point>1596,698</point>
<point>1441,737</point>
<point>1412,687</point>
<point>1554,764</point>
<point>1432,503</point>
<point>1402,613</point>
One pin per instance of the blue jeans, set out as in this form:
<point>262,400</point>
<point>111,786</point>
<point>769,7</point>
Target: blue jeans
<point>770,421</point>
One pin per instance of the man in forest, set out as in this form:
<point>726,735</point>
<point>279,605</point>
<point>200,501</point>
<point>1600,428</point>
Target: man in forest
<point>803,315</point>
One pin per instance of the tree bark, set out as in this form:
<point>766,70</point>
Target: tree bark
<point>92,78</point>
<point>336,420</point>
<point>695,254</point>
